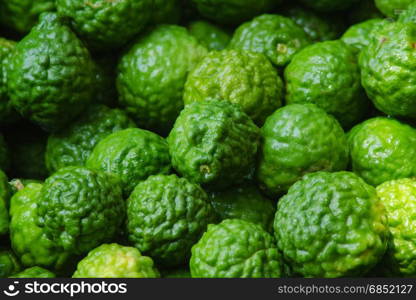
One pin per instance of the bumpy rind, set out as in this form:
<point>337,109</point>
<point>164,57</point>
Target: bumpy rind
<point>115,261</point>
<point>331,225</point>
<point>381,149</point>
<point>106,24</point>
<point>235,249</point>
<point>328,75</point>
<point>358,36</point>
<point>73,145</point>
<point>392,8</point>
<point>299,139</point>
<point>50,74</point>
<point>240,77</point>
<point>388,69</point>
<point>152,75</point>
<point>277,37</point>
<point>166,215</point>
<point>131,154</point>
<point>209,35</point>
<point>213,143</point>
<point>28,240</point>
<point>79,209</point>
<point>399,198</point>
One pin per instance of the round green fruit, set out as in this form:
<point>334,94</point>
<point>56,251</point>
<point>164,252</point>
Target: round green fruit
<point>213,143</point>
<point>382,149</point>
<point>166,215</point>
<point>115,261</point>
<point>358,36</point>
<point>409,14</point>
<point>277,37</point>
<point>209,35</point>
<point>299,139</point>
<point>232,12</point>
<point>28,240</point>
<point>132,155</point>
<point>244,202</point>
<point>244,78</point>
<point>79,209</point>
<point>393,8</point>
<point>235,249</point>
<point>106,24</point>
<point>399,198</point>
<point>152,75</point>
<point>73,145</point>
<point>331,225</point>
<point>328,75</point>
<point>388,69</point>
<point>50,74</point>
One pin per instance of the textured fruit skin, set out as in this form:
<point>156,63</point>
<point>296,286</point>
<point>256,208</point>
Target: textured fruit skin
<point>5,193</point>
<point>115,261</point>
<point>79,209</point>
<point>166,215</point>
<point>392,8</point>
<point>34,272</point>
<point>331,225</point>
<point>317,27</point>
<point>244,202</point>
<point>28,240</point>
<point>133,155</point>
<point>329,5</point>
<point>106,24</point>
<point>209,35</point>
<point>27,145</point>
<point>73,145</point>
<point>399,198</point>
<point>166,11</point>
<point>213,143</point>
<point>50,74</point>
<point>8,263</point>
<point>7,113</point>
<point>387,69</point>
<point>382,149</point>
<point>409,14</point>
<point>299,139</point>
<point>152,75</point>
<point>277,37</point>
<point>235,249</point>
<point>22,15</point>
<point>4,154</point>
<point>240,77</point>
<point>359,35</point>
<point>232,12</point>
<point>327,74</point>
